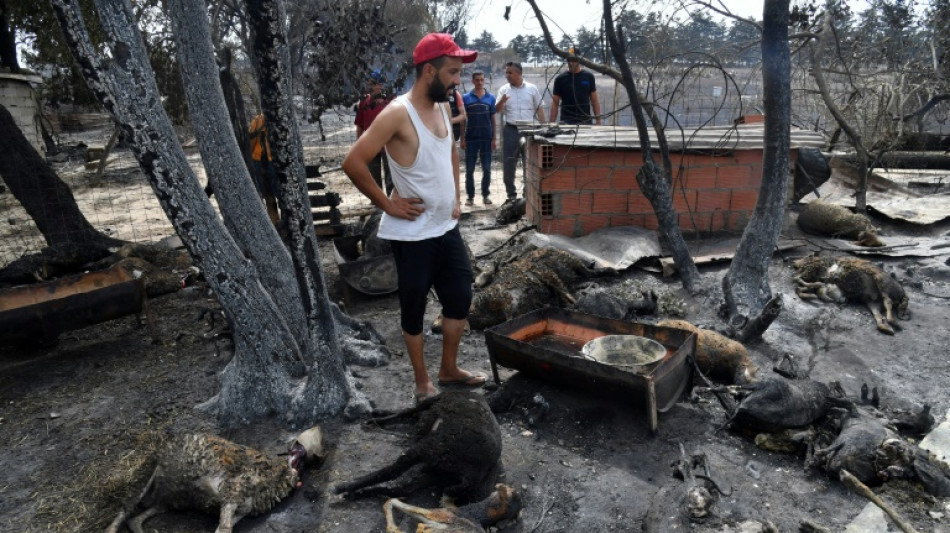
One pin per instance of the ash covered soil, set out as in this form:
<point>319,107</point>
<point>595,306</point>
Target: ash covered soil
<point>79,420</point>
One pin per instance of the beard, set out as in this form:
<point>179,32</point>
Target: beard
<point>439,92</point>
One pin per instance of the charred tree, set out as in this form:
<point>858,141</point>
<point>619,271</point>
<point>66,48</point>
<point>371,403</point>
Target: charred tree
<point>44,196</point>
<point>654,180</point>
<point>8,56</point>
<point>746,285</point>
<point>282,363</point>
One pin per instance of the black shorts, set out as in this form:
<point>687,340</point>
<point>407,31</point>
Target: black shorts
<point>440,262</point>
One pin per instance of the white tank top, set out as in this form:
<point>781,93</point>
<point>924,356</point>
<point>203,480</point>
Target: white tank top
<point>430,177</point>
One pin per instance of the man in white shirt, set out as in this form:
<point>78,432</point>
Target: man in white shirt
<point>519,102</point>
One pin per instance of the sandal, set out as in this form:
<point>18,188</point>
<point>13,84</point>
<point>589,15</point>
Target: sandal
<point>420,397</point>
<point>473,379</point>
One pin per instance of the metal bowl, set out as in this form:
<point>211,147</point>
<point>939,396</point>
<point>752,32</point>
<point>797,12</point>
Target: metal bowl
<point>627,351</point>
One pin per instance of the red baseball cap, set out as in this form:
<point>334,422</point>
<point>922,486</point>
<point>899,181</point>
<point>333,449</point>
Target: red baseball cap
<point>436,45</point>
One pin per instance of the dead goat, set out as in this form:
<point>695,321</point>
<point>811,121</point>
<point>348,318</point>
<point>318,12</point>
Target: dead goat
<point>788,401</point>
<point>832,220</point>
<point>868,447</point>
<point>540,278</point>
<point>213,475</point>
<point>457,445</point>
<point>858,281</point>
<point>718,356</point>
<point>504,503</point>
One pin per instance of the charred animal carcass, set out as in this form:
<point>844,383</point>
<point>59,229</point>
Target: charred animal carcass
<point>779,403</point>
<point>539,279</point>
<point>832,220</point>
<point>457,445</point>
<point>868,447</point>
<point>718,356</point>
<point>504,503</point>
<point>858,281</point>
<point>209,474</point>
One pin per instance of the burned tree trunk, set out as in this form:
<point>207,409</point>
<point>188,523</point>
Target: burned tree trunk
<point>45,197</point>
<point>276,367</point>
<point>8,56</point>
<point>746,285</point>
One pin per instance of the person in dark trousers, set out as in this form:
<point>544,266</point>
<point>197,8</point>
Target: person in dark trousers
<point>369,107</point>
<point>575,93</point>
<point>420,217</point>
<point>266,174</point>
<point>520,103</point>
<point>478,138</point>
<point>458,114</point>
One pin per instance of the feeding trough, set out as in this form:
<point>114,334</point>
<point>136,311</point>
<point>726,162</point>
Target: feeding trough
<point>368,275</point>
<point>550,344</point>
<point>42,311</point>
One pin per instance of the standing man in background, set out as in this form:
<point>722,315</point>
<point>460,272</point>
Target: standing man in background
<point>478,137</point>
<point>366,111</point>
<point>520,102</point>
<point>266,178</point>
<point>575,93</point>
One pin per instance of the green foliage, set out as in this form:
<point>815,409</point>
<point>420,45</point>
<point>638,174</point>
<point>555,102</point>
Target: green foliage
<point>485,42</point>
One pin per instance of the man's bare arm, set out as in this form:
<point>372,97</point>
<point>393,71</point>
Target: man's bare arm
<point>356,165</point>
<point>555,102</point>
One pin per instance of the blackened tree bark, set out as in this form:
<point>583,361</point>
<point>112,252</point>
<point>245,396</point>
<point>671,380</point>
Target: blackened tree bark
<point>40,191</point>
<point>282,362</point>
<point>746,285</point>
<point>654,180</point>
<point>8,57</point>
<point>234,101</point>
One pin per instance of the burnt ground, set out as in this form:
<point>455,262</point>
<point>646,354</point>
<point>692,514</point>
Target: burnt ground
<point>79,419</point>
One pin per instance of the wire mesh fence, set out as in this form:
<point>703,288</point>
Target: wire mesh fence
<point>121,204</point>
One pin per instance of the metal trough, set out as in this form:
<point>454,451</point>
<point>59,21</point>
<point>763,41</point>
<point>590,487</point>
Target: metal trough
<point>368,275</point>
<point>44,310</point>
<point>546,343</point>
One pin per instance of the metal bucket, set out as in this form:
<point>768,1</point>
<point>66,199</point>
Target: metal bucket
<point>625,351</point>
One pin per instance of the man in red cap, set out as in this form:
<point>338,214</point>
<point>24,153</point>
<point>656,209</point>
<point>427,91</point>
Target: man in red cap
<point>420,216</point>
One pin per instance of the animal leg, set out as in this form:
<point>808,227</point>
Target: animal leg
<point>130,506</point>
<point>889,311</point>
<point>135,524</point>
<point>432,517</point>
<point>403,463</point>
<point>882,325</point>
<point>227,519</point>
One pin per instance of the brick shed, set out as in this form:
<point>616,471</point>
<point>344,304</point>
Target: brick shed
<point>583,181</point>
<point>18,96</point>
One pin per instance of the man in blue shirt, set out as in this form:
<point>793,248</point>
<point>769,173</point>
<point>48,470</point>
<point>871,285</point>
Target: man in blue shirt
<point>479,136</point>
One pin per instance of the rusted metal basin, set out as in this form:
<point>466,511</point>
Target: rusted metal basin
<point>629,352</point>
<point>372,275</point>
<point>547,344</point>
<point>42,311</point>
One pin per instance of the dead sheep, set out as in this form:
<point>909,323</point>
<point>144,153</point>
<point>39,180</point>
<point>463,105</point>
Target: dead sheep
<point>832,220</point>
<point>718,356</point>
<point>504,503</point>
<point>207,473</point>
<point>457,445</point>
<point>859,281</point>
<point>541,278</point>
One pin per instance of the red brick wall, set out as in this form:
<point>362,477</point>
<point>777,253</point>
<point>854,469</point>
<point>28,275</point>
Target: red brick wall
<point>591,188</point>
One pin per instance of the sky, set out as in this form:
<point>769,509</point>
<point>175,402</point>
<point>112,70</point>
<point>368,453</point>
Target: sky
<point>568,15</point>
